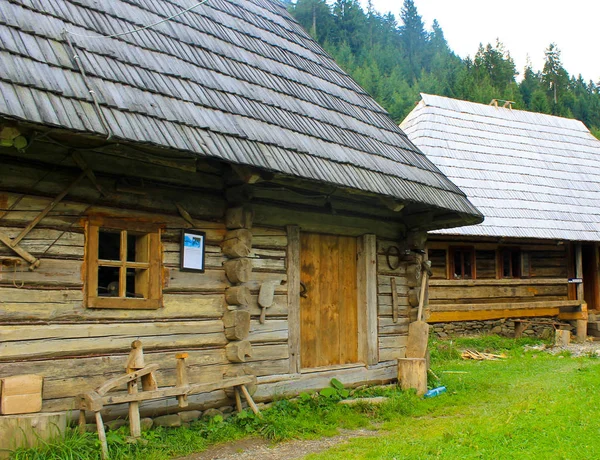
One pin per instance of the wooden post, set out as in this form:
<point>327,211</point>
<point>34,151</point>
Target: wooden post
<point>135,428</point>
<point>293,275</point>
<point>368,350</point>
<point>394,299</point>
<point>520,327</point>
<point>581,324</point>
<point>182,378</point>
<point>238,399</point>
<point>81,421</point>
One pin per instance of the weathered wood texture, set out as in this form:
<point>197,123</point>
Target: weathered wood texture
<point>44,325</point>
<point>328,308</point>
<point>46,329</point>
<point>392,336</point>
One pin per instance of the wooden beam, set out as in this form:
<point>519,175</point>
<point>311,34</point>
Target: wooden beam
<point>498,282</point>
<point>481,315</point>
<point>506,306</point>
<point>579,270</point>
<point>368,350</point>
<point>293,276</point>
<point>34,262</point>
<point>48,208</point>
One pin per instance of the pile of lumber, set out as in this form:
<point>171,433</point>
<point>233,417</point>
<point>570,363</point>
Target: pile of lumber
<point>480,356</point>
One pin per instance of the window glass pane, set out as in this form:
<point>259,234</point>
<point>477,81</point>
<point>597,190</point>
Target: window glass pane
<point>525,264</point>
<point>506,264</point>
<point>131,285</point>
<point>468,266</point>
<point>516,264</point>
<point>109,245</point>
<point>108,282</point>
<point>457,264</point>
<point>131,247</point>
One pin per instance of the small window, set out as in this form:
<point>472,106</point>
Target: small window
<point>515,263</point>
<point>462,263</point>
<point>124,265</point>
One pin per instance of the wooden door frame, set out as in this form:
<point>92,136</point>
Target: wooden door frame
<point>368,350</point>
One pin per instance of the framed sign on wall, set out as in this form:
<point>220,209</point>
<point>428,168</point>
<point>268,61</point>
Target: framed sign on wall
<point>192,250</point>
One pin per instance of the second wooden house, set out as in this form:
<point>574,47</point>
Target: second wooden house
<point>536,178</point>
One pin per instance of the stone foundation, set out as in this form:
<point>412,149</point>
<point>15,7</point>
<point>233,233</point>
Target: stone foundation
<point>506,327</point>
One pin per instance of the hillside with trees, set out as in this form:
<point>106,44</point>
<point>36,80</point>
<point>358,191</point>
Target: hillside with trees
<point>395,59</point>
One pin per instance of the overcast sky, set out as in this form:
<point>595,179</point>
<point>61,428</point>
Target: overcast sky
<point>524,26</point>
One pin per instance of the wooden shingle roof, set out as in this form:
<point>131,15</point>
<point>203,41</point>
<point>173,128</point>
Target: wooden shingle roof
<point>237,80</point>
<point>532,175</point>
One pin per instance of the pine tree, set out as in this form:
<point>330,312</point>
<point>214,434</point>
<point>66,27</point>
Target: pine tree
<point>413,40</point>
<point>555,78</point>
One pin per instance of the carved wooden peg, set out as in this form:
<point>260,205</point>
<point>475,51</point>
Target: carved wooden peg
<point>237,352</point>
<point>136,357</point>
<point>237,324</point>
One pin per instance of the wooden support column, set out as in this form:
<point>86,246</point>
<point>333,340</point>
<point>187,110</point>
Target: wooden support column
<point>293,276</point>
<point>581,324</point>
<point>368,349</point>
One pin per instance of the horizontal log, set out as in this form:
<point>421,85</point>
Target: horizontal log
<point>20,342</point>
<point>393,341</point>
<point>201,202</point>
<point>483,315</point>
<point>476,292</point>
<point>69,376</point>
<point>215,280</point>
<point>324,222</point>
<point>291,385</point>
<point>499,282</point>
<point>51,272</point>
<point>273,330</point>
<point>36,305</point>
<point>507,305</point>
<point>388,327</point>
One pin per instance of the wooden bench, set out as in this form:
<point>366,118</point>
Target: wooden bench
<point>137,371</point>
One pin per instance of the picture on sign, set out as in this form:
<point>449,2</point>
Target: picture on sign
<point>192,250</point>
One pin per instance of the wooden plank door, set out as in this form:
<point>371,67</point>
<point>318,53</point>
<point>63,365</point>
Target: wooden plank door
<point>328,302</point>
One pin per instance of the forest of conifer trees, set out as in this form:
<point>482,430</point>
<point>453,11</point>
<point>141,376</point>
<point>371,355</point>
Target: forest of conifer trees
<point>395,59</point>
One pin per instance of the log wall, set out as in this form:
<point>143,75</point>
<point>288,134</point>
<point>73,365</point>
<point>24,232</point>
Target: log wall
<point>46,329</point>
<point>544,287</point>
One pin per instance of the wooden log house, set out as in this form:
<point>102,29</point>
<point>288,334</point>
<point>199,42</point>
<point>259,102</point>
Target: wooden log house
<point>536,179</point>
<point>214,185</point>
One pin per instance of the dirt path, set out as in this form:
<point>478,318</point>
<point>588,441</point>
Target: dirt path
<point>256,448</point>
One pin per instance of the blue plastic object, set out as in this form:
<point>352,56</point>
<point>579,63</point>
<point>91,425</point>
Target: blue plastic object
<point>434,392</point>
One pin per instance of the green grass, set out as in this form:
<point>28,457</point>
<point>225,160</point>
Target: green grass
<point>530,405</point>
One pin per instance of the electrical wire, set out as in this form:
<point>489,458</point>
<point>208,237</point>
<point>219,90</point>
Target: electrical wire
<point>140,29</point>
